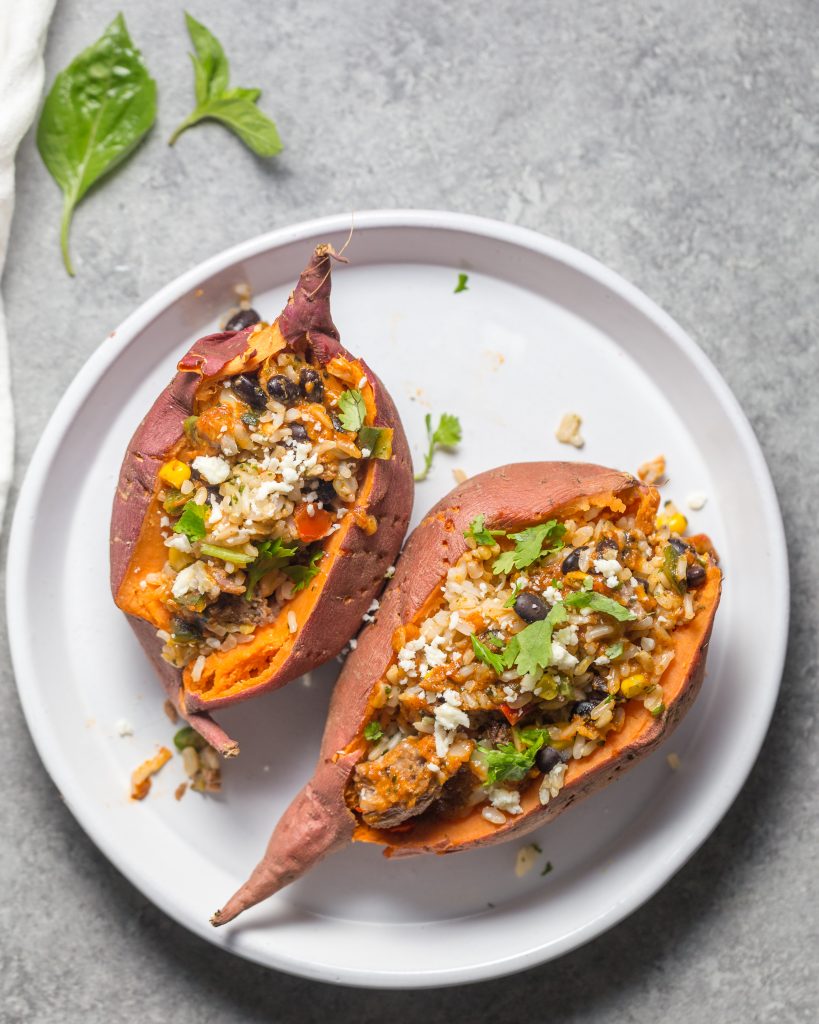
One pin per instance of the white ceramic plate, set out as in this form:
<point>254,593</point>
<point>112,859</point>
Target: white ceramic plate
<point>542,330</point>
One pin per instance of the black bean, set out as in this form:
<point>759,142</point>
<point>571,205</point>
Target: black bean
<point>546,759</point>
<point>337,424</point>
<point>531,608</point>
<point>695,576</point>
<point>298,432</point>
<point>248,389</point>
<point>571,563</point>
<point>679,545</point>
<point>282,389</point>
<point>311,385</point>
<point>325,492</point>
<point>584,708</point>
<point>244,318</point>
<point>599,688</point>
<point>606,544</point>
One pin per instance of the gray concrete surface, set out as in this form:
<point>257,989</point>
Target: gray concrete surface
<point>679,143</point>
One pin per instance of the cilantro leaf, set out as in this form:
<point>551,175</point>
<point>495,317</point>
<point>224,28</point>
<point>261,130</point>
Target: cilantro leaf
<point>462,286</point>
<point>485,654</point>
<point>234,108</point>
<point>446,435</point>
<point>615,650</point>
<point>302,574</point>
<point>373,731</point>
<point>352,410</point>
<point>478,532</point>
<point>273,554</point>
<point>599,603</point>
<point>506,762</point>
<point>192,521</point>
<point>516,589</point>
<point>530,544</point>
<point>535,641</point>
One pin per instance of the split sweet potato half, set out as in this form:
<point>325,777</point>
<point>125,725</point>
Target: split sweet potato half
<point>259,505</point>
<point>544,630</point>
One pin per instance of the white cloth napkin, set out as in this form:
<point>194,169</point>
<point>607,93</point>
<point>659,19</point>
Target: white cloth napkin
<point>22,37</point>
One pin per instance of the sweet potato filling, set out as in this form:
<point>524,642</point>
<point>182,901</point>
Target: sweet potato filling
<point>250,510</point>
<point>540,649</point>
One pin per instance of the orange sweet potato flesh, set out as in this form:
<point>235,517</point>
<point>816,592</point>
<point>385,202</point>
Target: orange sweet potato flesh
<point>329,610</point>
<point>319,822</point>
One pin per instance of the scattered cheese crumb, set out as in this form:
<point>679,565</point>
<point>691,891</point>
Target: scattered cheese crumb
<point>653,471</point>
<point>674,762</point>
<point>568,430</point>
<point>124,727</point>
<point>212,468</point>
<point>696,500</point>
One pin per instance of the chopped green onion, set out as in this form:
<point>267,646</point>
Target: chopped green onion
<point>227,554</point>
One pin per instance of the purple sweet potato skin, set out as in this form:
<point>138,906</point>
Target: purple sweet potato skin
<point>358,574</point>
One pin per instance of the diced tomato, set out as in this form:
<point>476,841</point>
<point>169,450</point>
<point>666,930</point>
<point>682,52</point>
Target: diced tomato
<point>512,715</point>
<point>315,526</point>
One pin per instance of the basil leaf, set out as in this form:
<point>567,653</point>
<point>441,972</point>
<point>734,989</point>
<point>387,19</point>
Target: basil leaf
<point>98,110</point>
<point>234,108</point>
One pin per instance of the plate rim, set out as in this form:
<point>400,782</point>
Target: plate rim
<point>105,355</point>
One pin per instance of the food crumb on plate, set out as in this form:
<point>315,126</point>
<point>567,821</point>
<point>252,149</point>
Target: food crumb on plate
<point>568,430</point>
<point>123,727</point>
<point>180,790</point>
<point>674,762</point>
<point>170,712</point>
<point>141,776</point>
<point>459,475</point>
<point>525,860</point>
<point>696,500</point>
<point>653,471</point>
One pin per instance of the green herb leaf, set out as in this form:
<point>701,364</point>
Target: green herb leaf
<point>599,603</point>
<point>446,435</point>
<point>234,108</point>
<point>671,558</point>
<point>462,286</point>
<point>98,110</point>
<point>273,554</point>
<point>535,641</point>
<point>530,544</point>
<point>377,441</point>
<point>351,410</point>
<point>478,532</point>
<point>192,521</point>
<point>614,651</point>
<point>373,731</point>
<point>516,589</point>
<point>226,554</point>
<point>485,654</point>
<point>188,737</point>
<point>302,574</point>
<point>506,762</point>
<point>588,583</point>
<point>189,426</point>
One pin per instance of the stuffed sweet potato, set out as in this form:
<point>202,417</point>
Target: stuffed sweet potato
<point>259,505</point>
<point>544,630</point>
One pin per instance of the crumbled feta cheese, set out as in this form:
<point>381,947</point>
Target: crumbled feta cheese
<point>612,582</point>
<point>194,578</point>
<point>388,575</point>
<point>607,566</point>
<point>123,727</point>
<point>447,720</point>
<point>180,542</point>
<point>552,595</point>
<point>452,697</point>
<point>567,636</point>
<point>505,800</point>
<point>696,500</point>
<point>561,657</point>
<point>212,468</point>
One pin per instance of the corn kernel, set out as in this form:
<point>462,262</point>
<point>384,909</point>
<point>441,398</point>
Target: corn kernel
<point>676,522</point>
<point>178,559</point>
<point>175,473</point>
<point>633,686</point>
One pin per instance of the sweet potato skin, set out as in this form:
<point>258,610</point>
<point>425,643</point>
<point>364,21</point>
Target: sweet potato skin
<point>358,572</point>
<point>511,497</point>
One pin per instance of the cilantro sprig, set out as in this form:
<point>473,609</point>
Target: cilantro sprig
<point>478,532</point>
<point>352,410</point>
<point>512,763</point>
<point>530,544</point>
<point>599,603</point>
<point>446,435</point>
<point>489,655</point>
<point>192,521</point>
<point>273,554</point>
<point>302,574</point>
